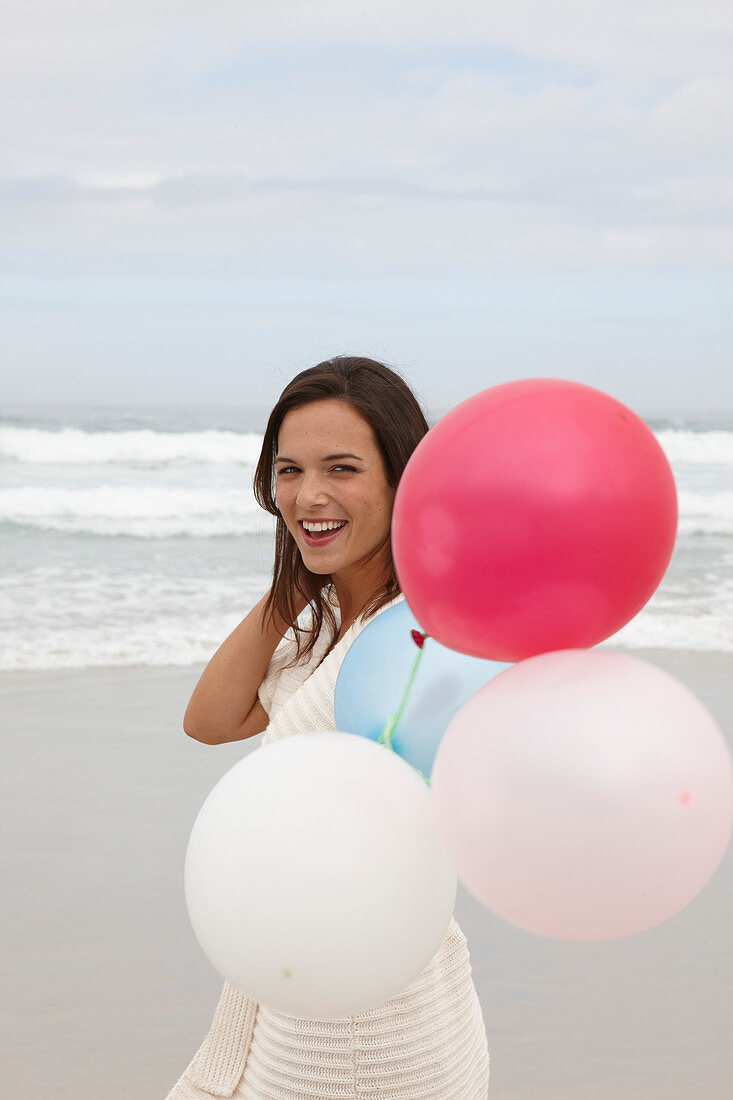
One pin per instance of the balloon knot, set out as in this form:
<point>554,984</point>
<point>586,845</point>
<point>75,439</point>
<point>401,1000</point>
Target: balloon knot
<point>418,638</point>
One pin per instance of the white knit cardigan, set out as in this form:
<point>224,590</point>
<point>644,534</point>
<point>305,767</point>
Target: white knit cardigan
<point>427,1043</point>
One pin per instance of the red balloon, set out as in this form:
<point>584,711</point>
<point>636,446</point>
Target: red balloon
<point>537,515</point>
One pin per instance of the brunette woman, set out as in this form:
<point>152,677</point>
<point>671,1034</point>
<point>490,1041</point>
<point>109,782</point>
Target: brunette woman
<point>334,449</point>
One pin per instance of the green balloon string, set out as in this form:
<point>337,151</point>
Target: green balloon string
<point>392,720</point>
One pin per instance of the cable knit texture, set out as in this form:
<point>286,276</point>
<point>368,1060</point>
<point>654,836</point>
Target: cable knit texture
<point>427,1043</point>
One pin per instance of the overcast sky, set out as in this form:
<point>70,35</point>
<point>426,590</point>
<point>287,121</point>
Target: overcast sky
<point>201,198</point>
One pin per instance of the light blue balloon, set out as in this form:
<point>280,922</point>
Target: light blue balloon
<point>375,673</point>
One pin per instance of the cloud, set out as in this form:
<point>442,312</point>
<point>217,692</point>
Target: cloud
<point>404,138</point>
<point>698,114</point>
<point>668,37</point>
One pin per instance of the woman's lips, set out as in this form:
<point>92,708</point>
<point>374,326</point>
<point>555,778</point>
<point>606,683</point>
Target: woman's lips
<point>321,538</point>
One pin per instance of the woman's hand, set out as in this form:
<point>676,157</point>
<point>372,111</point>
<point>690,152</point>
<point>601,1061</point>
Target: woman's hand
<point>224,706</point>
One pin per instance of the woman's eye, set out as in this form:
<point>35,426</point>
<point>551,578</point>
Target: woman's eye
<point>334,469</point>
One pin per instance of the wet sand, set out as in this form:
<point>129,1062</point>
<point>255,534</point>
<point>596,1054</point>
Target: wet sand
<point>107,994</point>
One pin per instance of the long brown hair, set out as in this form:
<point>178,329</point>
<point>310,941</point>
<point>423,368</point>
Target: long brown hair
<point>386,402</point>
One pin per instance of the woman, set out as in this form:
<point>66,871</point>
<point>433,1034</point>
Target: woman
<point>334,449</point>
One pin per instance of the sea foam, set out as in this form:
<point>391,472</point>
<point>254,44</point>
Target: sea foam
<point>152,512</point>
<point>709,447</point>
<point>72,446</point>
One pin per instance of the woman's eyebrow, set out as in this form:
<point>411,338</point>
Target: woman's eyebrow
<point>326,458</point>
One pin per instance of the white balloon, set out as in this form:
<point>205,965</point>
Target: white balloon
<point>315,879</point>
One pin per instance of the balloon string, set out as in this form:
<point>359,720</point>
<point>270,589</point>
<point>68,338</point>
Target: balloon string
<point>392,720</point>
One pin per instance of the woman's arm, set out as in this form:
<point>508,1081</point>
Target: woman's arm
<point>224,705</point>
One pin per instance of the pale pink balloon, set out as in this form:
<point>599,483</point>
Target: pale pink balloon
<point>584,794</point>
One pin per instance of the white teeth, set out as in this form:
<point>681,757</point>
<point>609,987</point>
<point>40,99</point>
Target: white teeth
<point>331,525</point>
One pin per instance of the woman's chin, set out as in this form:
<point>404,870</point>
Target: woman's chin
<point>318,570</point>
<point>319,563</point>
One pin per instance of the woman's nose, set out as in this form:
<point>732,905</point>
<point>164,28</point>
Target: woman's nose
<point>311,492</point>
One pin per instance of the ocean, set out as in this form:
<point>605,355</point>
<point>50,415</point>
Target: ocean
<point>131,537</point>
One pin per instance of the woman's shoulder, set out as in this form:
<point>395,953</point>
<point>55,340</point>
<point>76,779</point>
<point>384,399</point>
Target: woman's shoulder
<point>364,621</point>
<point>286,673</point>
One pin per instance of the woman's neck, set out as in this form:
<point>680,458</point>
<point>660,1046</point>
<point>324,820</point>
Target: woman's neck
<point>355,593</point>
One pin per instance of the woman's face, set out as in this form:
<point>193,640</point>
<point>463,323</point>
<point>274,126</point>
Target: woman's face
<point>330,472</point>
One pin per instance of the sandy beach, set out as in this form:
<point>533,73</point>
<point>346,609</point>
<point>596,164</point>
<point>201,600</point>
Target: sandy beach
<point>107,994</point>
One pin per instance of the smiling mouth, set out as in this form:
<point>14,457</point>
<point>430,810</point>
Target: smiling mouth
<point>321,537</point>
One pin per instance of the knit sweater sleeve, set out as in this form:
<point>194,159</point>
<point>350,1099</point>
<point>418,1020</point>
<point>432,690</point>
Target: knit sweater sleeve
<point>280,659</point>
<point>281,664</point>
